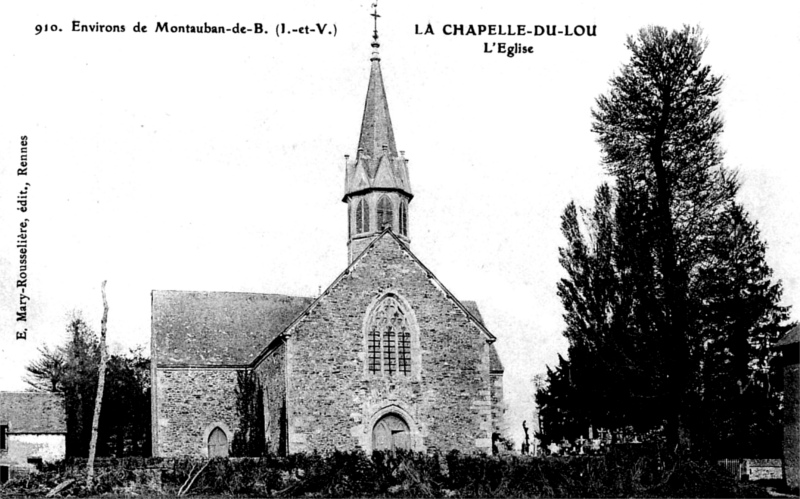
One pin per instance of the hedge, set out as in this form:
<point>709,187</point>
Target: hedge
<point>623,473</point>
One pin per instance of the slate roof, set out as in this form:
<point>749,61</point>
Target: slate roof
<point>792,337</point>
<point>32,412</point>
<point>200,328</point>
<point>376,124</point>
<point>376,164</point>
<point>495,365</point>
<point>473,309</point>
<point>222,329</point>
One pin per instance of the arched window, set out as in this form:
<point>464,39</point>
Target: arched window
<point>362,217</point>
<point>389,339</point>
<point>403,212</point>
<point>217,443</point>
<point>384,213</point>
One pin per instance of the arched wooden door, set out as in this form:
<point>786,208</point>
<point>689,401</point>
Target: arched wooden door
<point>217,443</point>
<point>391,433</point>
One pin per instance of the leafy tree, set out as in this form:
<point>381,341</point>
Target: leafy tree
<point>78,385</point>
<point>737,314</point>
<point>588,294</point>
<point>607,296</point>
<point>125,421</point>
<point>614,376</point>
<point>250,440</point>
<point>46,372</point>
<point>560,409</point>
<point>71,370</point>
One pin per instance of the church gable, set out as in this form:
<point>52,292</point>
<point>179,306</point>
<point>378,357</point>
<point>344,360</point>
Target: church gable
<point>388,256</point>
<point>389,244</point>
<point>388,339</point>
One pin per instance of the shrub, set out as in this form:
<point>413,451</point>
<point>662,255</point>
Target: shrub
<point>633,472</point>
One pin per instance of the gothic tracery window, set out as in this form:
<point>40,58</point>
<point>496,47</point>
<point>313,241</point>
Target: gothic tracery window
<point>389,339</point>
<point>384,213</point>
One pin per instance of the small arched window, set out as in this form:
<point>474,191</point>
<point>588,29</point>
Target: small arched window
<point>403,212</point>
<point>384,213</point>
<point>362,217</point>
<point>389,339</point>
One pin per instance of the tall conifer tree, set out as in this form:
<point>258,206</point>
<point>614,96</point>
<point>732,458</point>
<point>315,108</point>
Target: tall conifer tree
<point>670,306</point>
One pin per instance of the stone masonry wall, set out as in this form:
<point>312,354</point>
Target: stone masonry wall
<point>272,374</point>
<point>791,422</point>
<point>48,447</point>
<point>498,406</point>
<point>189,401</point>
<point>333,402</point>
<point>763,469</point>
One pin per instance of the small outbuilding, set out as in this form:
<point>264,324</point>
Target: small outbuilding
<point>789,345</point>
<point>33,429</point>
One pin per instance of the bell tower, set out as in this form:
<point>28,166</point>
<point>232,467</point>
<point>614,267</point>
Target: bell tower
<point>377,190</point>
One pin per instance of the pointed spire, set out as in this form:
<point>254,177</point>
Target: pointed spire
<point>377,136</point>
<point>376,186</point>
<point>376,162</point>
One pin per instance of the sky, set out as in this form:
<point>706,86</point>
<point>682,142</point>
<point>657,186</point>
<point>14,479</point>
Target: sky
<point>216,162</point>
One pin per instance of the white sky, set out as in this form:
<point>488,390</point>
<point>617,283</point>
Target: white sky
<point>215,162</point>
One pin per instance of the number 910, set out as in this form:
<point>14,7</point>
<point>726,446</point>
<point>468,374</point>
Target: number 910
<point>43,28</point>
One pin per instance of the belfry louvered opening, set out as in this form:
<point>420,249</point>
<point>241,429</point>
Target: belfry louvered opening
<point>385,215</point>
<point>362,217</point>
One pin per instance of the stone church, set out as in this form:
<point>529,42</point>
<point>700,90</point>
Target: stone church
<point>385,358</point>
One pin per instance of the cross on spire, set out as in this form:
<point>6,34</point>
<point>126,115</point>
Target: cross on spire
<point>375,15</point>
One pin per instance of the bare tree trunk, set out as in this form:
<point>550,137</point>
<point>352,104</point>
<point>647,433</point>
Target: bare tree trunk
<point>98,401</point>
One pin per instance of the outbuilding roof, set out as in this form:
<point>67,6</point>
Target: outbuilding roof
<point>201,328</point>
<point>32,412</point>
<point>792,337</point>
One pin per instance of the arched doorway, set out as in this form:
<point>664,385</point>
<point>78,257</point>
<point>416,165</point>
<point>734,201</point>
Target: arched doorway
<point>391,433</point>
<point>217,443</point>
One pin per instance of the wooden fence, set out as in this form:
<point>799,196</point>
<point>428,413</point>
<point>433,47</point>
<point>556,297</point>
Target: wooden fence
<point>733,466</point>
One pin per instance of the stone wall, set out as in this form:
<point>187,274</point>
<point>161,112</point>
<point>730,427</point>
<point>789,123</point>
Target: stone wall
<point>272,374</point>
<point>498,405</point>
<point>189,403</point>
<point>333,402</point>
<point>763,469</point>
<point>20,447</point>
<point>791,421</point>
